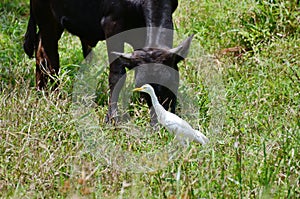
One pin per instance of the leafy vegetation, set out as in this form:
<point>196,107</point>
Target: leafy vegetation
<point>268,21</point>
<point>240,84</point>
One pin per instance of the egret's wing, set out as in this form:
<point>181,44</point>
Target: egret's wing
<point>182,129</point>
<point>179,127</point>
<point>172,122</point>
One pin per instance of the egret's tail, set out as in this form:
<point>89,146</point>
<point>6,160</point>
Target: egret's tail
<point>200,137</point>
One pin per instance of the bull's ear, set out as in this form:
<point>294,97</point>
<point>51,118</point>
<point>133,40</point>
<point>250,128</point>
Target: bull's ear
<point>182,50</point>
<point>126,59</point>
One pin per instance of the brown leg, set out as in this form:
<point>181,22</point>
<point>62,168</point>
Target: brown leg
<point>47,57</point>
<point>41,66</point>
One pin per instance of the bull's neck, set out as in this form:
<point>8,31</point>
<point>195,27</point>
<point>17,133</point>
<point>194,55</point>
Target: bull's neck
<point>158,16</point>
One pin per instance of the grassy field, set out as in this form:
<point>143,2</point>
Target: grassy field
<point>240,84</point>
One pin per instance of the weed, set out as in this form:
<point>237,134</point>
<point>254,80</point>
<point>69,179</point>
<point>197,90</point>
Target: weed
<point>248,106</point>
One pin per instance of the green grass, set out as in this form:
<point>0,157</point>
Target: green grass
<point>247,102</point>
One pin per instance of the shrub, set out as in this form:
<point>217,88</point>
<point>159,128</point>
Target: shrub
<point>267,21</point>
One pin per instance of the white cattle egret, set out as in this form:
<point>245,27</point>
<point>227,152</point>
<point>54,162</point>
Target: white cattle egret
<point>182,130</point>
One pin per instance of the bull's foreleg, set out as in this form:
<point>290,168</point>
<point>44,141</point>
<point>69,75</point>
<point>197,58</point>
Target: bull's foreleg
<point>117,72</point>
<point>42,63</point>
<point>47,57</point>
<point>117,79</point>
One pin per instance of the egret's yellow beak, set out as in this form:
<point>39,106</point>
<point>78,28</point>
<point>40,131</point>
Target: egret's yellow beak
<point>138,89</point>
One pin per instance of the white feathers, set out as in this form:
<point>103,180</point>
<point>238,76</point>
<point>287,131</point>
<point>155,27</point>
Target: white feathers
<point>182,130</point>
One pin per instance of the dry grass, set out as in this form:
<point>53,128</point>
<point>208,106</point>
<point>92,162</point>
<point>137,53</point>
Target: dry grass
<point>247,104</point>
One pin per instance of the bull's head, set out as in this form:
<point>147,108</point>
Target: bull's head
<point>158,67</point>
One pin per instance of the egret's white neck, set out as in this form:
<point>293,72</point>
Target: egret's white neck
<point>159,109</point>
<point>153,97</point>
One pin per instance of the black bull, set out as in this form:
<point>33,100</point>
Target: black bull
<point>95,20</point>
